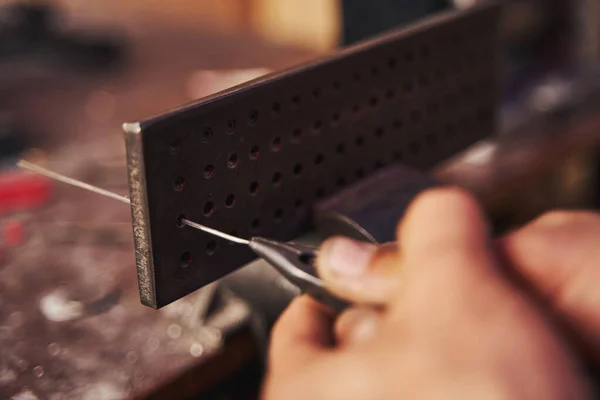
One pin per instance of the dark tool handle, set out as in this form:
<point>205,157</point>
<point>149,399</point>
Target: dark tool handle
<point>370,209</point>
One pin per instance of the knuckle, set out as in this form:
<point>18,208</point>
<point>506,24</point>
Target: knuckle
<point>568,218</point>
<point>556,218</point>
<point>356,325</point>
<point>436,197</point>
<point>447,193</point>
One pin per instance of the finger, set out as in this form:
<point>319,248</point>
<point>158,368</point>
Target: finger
<point>357,325</point>
<point>360,272</point>
<point>301,334</point>
<point>454,300</point>
<point>445,231</point>
<point>446,253</point>
<point>559,256</point>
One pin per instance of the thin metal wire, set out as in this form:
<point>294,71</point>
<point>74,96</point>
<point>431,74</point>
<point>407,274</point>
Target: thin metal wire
<point>215,232</point>
<point>70,181</point>
<point>74,182</point>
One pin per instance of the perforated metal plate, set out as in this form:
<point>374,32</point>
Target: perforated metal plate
<point>254,159</point>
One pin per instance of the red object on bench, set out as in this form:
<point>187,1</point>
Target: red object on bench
<point>23,191</point>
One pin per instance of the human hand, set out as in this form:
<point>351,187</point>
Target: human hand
<point>557,257</point>
<point>449,325</point>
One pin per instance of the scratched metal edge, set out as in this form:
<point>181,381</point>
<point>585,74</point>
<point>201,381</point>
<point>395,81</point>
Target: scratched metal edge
<point>170,116</point>
<point>136,171</point>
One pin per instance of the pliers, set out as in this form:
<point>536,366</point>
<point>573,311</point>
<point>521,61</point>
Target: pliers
<point>296,263</point>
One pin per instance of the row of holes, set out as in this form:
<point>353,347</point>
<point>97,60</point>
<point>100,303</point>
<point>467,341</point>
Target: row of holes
<point>277,143</point>
<point>379,132</point>
<point>212,246</point>
<point>414,148</point>
<point>451,100</point>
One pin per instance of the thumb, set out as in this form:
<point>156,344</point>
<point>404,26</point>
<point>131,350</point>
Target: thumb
<point>447,258</point>
<point>360,272</point>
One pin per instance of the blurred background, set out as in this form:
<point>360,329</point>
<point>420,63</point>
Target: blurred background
<point>72,71</point>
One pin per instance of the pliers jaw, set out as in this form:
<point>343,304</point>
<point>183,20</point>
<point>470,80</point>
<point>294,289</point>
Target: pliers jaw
<point>296,264</point>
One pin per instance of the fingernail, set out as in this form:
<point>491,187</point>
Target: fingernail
<point>357,325</point>
<point>347,258</point>
<point>364,328</point>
